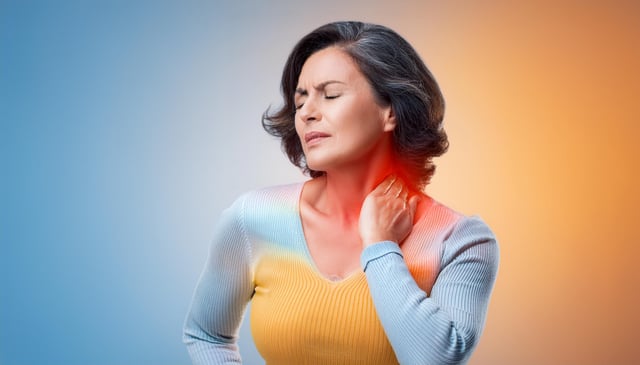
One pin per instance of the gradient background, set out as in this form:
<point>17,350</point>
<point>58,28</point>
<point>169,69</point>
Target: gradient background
<point>127,126</point>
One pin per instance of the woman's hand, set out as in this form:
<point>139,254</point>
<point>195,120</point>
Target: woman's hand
<point>387,213</point>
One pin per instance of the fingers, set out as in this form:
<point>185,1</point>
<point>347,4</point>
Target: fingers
<point>391,180</point>
<point>398,190</point>
<point>388,211</point>
<point>394,188</point>
<point>403,193</point>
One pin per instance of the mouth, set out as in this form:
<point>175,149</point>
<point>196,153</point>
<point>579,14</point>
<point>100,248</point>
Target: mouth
<point>313,137</point>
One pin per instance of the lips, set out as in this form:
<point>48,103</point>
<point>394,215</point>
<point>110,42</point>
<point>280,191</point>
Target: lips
<point>313,137</point>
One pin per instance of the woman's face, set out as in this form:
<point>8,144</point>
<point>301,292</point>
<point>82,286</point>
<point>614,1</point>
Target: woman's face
<point>338,120</point>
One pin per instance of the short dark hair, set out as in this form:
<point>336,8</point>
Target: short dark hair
<point>398,77</point>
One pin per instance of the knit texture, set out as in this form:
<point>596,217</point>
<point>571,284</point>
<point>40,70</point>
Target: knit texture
<point>424,303</point>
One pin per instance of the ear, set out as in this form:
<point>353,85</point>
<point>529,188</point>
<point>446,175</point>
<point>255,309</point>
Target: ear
<point>389,119</point>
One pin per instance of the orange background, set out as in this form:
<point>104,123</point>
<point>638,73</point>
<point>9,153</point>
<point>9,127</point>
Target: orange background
<point>543,116</point>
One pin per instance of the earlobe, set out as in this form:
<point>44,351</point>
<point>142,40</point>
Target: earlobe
<point>389,119</point>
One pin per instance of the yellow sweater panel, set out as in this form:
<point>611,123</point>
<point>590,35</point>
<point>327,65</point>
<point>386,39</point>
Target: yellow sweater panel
<point>299,317</point>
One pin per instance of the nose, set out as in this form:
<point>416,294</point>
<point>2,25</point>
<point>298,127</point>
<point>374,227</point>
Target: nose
<point>309,112</point>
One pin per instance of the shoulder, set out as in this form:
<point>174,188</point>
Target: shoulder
<point>457,231</point>
<point>270,197</point>
<point>474,228</point>
<point>435,219</point>
<point>472,239</point>
<point>453,222</point>
<point>262,208</point>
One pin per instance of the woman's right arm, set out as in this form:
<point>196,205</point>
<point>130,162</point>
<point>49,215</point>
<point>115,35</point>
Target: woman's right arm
<point>221,296</point>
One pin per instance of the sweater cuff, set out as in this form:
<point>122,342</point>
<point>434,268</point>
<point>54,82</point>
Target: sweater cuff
<point>377,251</point>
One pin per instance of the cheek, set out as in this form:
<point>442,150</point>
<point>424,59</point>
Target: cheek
<point>365,124</point>
<point>299,130</point>
<point>297,126</point>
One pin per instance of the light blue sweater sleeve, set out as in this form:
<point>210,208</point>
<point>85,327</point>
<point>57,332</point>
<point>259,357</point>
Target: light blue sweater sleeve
<point>222,293</point>
<point>443,327</point>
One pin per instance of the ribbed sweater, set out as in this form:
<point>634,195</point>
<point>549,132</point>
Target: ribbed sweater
<point>422,303</point>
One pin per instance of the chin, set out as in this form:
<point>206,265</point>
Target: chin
<point>315,163</point>
<point>315,166</point>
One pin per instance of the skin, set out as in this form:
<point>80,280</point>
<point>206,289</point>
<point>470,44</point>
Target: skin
<point>359,201</point>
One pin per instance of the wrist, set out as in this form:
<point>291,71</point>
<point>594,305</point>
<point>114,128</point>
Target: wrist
<point>378,250</point>
<point>375,240</point>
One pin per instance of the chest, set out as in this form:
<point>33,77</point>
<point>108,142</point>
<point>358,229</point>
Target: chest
<point>300,317</point>
<point>334,251</point>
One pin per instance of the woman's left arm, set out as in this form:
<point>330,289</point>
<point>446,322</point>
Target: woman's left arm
<point>443,327</point>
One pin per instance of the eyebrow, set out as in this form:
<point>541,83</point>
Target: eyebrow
<point>320,86</point>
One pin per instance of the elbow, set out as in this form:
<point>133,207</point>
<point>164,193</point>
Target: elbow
<point>460,345</point>
<point>206,349</point>
<point>452,348</point>
<point>191,336</point>
<point>194,340</point>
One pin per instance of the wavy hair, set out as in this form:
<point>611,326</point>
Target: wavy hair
<point>398,77</point>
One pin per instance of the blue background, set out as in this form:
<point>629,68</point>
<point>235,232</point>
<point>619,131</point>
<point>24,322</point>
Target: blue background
<point>121,122</point>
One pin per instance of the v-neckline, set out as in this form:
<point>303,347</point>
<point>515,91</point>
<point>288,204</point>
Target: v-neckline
<point>307,252</point>
<point>305,245</point>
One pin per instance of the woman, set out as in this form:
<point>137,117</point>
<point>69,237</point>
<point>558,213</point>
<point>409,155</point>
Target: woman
<point>356,265</point>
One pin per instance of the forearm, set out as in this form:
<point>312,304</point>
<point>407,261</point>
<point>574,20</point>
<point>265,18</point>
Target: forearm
<point>221,296</point>
<point>210,329</point>
<point>205,350</point>
<point>441,328</point>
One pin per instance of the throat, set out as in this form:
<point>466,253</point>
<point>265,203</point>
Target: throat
<point>332,237</point>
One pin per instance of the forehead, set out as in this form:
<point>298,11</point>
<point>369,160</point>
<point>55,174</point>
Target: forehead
<point>329,64</point>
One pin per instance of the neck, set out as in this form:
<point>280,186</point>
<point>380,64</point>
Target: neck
<point>345,189</point>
